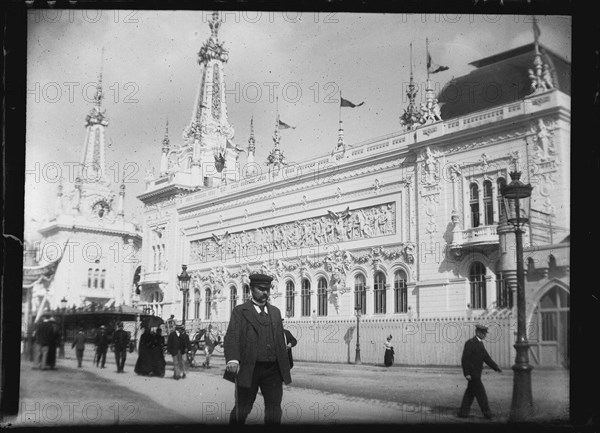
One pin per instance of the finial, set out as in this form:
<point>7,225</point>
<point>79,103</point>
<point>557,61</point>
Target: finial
<point>166,140</point>
<point>251,141</point>
<point>412,117</point>
<point>214,25</point>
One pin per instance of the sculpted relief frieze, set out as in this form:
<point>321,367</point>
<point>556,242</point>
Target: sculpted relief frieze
<point>335,227</point>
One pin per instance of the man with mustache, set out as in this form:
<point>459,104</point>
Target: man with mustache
<point>255,351</point>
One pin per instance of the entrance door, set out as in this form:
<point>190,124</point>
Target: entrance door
<point>550,329</point>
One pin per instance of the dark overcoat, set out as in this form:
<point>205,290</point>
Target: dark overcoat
<point>240,342</point>
<point>474,355</point>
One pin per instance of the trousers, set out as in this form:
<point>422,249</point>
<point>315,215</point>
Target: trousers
<point>267,377</point>
<point>475,389</point>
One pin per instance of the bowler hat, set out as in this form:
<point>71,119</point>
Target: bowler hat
<point>481,328</point>
<point>261,281</point>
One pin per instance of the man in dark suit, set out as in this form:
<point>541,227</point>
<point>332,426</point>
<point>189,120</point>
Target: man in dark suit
<point>290,342</point>
<point>255,350</point>
<point>101,343</point>
<point>474,355</point>
<point>178,345</point>
<point>120,345</point>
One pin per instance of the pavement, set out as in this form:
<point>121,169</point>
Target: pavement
<point>320,393</point>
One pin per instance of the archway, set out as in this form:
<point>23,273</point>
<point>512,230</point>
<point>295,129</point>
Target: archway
<point>549,329</point>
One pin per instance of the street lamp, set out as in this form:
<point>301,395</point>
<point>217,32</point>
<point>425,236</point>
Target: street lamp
<point>63,308</point>
<point>184,285</point>
<point>358,312</point>
<point>516,199</point>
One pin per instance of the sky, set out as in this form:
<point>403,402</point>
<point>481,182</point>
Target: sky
<point>150,73</point>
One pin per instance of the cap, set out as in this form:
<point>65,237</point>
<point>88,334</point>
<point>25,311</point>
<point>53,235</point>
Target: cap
<point>481,328</point>
<point>261,281</point>
<point>179,324</point>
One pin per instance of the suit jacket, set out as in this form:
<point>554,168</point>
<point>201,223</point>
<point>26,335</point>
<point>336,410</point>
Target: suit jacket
<point>289,338</point>
<point>101,341</point>
<point>179,344</point>
<point>121,339</point>
<point>473,357</point>
<point>242,333</point>
<point>79,341</point>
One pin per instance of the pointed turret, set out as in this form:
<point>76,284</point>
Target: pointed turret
<point>93,158</point>
<point>209,131</point>
<point>412,116</point>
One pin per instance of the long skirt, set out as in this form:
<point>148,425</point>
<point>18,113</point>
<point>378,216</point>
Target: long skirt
<point>388,358</point>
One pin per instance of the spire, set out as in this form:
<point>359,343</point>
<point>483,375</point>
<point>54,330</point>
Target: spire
<point>541,79</point>
<point>412,117</point>
<point>166,141</point>
<point>251,142</point>
<point>276,158</point>
<point>93,160</point>
<point>430,109</point>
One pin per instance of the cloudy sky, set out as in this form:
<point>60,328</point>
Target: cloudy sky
<point>150,72</point>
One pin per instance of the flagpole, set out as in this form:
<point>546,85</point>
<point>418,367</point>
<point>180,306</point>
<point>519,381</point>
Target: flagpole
<point>427,58</point>
<point>340,106</point>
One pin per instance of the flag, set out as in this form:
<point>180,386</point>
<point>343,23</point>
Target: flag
<point>285,125</point>
<point>434,68</point>
<point>346,103</point>
<point>536,30</point>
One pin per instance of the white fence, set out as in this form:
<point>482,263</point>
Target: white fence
<point>416,342</point>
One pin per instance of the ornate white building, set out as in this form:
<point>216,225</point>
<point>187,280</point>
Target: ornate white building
<point>404,225</point>
<point>98,246</point>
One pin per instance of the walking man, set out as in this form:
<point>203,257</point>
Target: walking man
<point>101,343</point>
<point>79,346</point>
<point>255,351</point>
<point>474,355</point>
<point>44,335</point>
<point>178,345</point>
<point>121,344</point>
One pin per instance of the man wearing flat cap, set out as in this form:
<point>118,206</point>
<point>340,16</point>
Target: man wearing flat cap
<point>255,351</point>
<point>474,355</point>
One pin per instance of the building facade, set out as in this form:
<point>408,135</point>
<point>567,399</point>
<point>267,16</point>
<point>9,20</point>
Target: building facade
<point>97,246</point>
<point>405,226</point>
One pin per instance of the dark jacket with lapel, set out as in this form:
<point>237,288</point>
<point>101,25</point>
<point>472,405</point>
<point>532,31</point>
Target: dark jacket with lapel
<point>240,341</point>
<point>179,344</point>
<point>473,357</point>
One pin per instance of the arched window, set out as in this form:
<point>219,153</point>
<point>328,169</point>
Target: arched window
<point>246,293</point>
<point>379,293</point>
<point>400,292</point>
<point>322,297</point>
<point>360,296</point>
<point>196,304</point>
<point>501,182</point>
<point>474,203</point>
<point>305,297</point>
<point>102,278</point>
<point>90,274</point>
<point>488,203</point>
<point>208,303</point>
<point>477,281</point>
<point>96,276</point>
<point>232,297</point>
<point>503,292</point>
<point>289,298</point>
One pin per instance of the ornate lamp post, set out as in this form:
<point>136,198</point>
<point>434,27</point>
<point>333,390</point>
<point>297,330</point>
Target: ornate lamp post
<point>358,312</point>
<point>516,195</point>
<point>63,309</point>
<point>184,285</point>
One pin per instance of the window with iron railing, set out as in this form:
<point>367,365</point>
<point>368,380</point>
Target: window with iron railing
<point>474,204</point>
<point>503,293</point>
<point>289,298</point>
<point>322,297</point>
<point>232,297</point>
<point>488,203</point>
<point>360,294</point>
<point>305,297</point>
<point>400,292</point>
<point>478,286</point>
<point>208,303</point>
<point>379,293</point>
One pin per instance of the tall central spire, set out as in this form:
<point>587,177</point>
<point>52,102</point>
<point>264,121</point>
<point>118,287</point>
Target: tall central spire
<point>93,158</point>
<point>412,116</point>
<point>209,131</point>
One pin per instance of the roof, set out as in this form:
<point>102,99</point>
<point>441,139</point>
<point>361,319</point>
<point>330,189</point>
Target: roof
<point>500,79</point>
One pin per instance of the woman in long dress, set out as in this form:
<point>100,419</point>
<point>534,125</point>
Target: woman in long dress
<point>143,365</point>
<point>158,356</point>
<point>388,357</point>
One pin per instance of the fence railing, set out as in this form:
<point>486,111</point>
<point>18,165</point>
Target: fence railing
<point>416,342</point>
